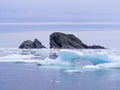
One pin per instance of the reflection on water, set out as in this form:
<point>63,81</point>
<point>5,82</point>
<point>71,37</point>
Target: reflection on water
<point>32,77</point>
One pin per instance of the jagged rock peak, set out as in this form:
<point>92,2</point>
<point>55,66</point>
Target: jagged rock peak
<point>37,44</point>
<point>31,44</point>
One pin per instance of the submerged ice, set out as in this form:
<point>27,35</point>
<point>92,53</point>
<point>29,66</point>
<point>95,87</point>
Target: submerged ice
<point>96,59</point>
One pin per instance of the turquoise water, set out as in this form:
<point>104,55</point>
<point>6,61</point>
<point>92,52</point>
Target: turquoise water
<point>32,77</point>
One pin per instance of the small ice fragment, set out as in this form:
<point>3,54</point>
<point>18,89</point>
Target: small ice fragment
<point>57,81</point>
<point>74,71</point>
<point>51,81</point>
<point>91,67</point>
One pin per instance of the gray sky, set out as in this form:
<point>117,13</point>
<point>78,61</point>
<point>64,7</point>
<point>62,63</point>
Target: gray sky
<point>27,11</point>
<point>59,10</point>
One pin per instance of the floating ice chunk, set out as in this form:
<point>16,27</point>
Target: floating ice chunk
<point>91,67</point>
<point>114,65</point>
<point>16,56</point>
<point>73,71</point>
<point>56,82</point>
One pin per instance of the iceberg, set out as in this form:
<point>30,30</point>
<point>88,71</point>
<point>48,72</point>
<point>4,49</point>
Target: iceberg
<point>64,58</point>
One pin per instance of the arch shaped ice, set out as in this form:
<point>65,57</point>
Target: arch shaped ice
<point>71,55</point>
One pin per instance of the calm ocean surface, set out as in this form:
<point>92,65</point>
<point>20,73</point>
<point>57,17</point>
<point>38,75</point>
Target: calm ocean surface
<point>31,77</point>
<point>21,69</point>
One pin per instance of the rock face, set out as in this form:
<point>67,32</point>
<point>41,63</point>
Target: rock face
<point>31,44</point>
<point>96,47</point>
<point>68,41</point>
<point>63,41</point>
<point>38,44</point>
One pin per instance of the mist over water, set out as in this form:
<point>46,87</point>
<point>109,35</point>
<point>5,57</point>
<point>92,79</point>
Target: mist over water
<point>58,26</point>
<point>105,34</point>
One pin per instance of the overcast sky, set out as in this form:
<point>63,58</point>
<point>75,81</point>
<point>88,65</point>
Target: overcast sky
<point>63,12</point>
<point>59,10</point>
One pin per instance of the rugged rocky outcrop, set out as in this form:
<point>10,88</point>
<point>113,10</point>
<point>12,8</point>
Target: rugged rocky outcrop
<point>65,41</point>
<point>31,44</point>
<point>38,44</point>
<point>68,41</point>
<point>96,47</point>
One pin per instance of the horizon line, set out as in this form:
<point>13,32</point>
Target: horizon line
<point>58,23</point>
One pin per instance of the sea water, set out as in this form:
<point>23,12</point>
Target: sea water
<point>54,69</point>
